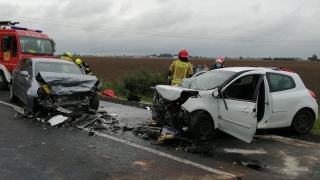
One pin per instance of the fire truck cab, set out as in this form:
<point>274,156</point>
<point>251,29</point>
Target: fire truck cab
<point>17,43</point>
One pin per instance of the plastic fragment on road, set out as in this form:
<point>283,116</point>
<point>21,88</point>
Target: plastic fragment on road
<point>21,111</point>
<point>165,137</point>
<point>57,120</point>
<point>169,130</point>
<point>90,133</point>
<point>109,93</point>
<point>63,110</point>
<point>152,122</point>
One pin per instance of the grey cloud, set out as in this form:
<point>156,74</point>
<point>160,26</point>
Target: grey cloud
<point>147,27</point>
<point>256,7</point>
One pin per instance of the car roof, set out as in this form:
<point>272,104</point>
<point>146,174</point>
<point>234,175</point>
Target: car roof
<point>50,60</point>
<point>267,69</point>
<point>240,69</point>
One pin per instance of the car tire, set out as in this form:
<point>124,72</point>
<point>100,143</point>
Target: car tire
<point>12,97</point>
<point>3,81</point>
<point>95,102</point>
<point>203,128</point>
<point>302,122</point>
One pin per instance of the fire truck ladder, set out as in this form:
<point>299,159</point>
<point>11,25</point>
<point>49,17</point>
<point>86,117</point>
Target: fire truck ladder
<point>8,23</point>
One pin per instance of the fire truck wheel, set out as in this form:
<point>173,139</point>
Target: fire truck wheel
<point>3,81</point>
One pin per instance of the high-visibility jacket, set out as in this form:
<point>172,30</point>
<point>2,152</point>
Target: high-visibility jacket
<point>67,58</point>
<point>180,70</point>
<point>86,68</point>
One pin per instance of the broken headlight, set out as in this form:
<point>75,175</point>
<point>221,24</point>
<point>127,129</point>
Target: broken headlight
<point>43,93</point>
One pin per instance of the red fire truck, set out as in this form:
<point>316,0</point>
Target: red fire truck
<point>18,42</point>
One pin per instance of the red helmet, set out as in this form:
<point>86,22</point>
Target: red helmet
<point>183,54</point>
<point>220,60</point>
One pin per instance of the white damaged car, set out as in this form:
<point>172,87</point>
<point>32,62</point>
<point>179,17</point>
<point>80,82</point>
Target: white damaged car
<point>237,101</point>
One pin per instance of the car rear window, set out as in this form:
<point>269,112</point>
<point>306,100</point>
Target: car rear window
<point>280,82</point>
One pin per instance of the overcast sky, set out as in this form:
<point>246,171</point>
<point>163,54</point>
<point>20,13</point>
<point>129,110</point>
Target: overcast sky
<point>275,28</point>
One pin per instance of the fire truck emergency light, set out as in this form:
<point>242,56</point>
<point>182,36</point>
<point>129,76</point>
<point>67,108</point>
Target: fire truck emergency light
<point>25,29</point>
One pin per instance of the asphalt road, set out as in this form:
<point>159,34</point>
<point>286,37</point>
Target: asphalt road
<point>33,150</point>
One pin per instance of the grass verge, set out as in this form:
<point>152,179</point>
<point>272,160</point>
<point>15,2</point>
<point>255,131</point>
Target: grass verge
<point>316,127</point>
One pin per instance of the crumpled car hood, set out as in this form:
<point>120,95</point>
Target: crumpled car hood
<point>171,93</point>
<point>67,84</point>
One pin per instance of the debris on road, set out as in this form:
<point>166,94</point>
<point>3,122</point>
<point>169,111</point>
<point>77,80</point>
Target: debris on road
<point>91,133</point>
<point>102,121</point>
<point>152,123</point>
<point>109,93</point>
<point>254,164</point>
<point>57,120</point>
<point>165,137</point>
<point>169,130</point>
<point>133,98</point>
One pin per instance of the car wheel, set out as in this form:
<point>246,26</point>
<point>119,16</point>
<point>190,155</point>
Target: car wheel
<point>95,102</point>
<point>3,81</point>
<point>302,122</point>
<point>203,128</point>
<point>12,97</point>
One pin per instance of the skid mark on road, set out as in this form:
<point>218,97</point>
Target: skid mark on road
<point>290,141</point>
<point>292,166</point>
<point>216,171</point>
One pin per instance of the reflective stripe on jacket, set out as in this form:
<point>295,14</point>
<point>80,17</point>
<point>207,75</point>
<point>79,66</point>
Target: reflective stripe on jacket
<point>86,68</point>
<point>66,58</point>
<point>180,70</point>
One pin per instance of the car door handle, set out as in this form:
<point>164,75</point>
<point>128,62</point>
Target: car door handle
<point>245,110</point>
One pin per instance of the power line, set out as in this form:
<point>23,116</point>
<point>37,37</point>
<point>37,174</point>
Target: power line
<point>199,16</point>
<point>157,33</point>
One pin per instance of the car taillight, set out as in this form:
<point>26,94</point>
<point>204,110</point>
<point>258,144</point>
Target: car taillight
<point>312,94</point>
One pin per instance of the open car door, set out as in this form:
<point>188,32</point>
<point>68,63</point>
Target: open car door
<point>238,106</point>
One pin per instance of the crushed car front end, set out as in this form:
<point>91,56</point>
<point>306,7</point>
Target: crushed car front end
<point>72,94</point>
<point>191,105</point>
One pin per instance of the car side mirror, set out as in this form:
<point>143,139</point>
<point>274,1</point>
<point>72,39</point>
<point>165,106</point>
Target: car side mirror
<point>24,73</point>
<point>215,94</point>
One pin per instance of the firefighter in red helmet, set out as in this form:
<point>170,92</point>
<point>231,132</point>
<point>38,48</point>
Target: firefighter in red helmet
<point>180,68</point>
<point>219,63</point>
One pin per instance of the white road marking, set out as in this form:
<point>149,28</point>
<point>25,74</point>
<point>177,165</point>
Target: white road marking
<point>216,171</point>
<point>11,105</point>
<point>244,151</point>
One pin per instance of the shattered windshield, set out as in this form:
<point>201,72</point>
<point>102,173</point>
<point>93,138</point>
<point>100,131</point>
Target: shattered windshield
<point>207,81</point>
<point>57,67</point>
<point>33,45</point>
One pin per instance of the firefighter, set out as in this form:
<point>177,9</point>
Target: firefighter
<point>180,68</point>
<point>84,66</point>
<point>219,63</point>
<point>67,56</point>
